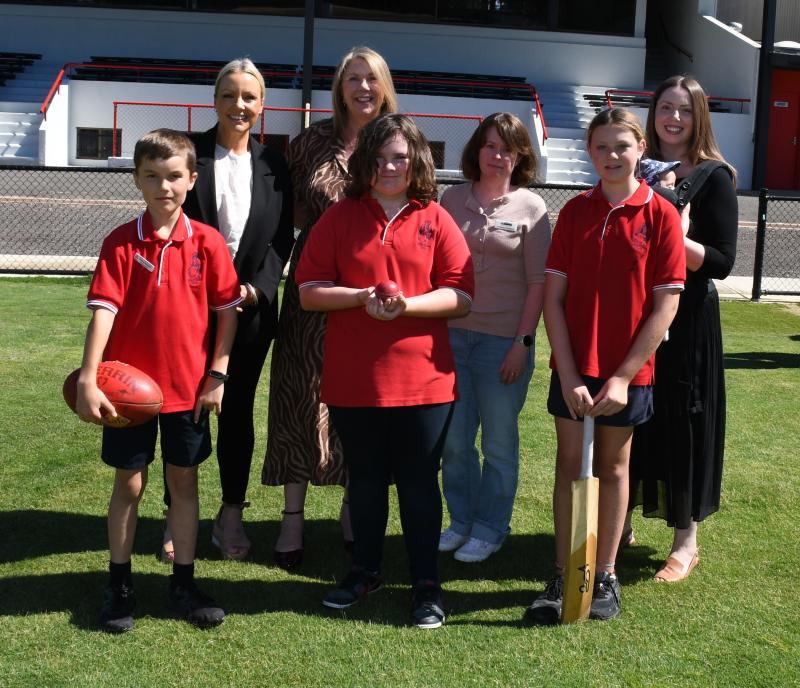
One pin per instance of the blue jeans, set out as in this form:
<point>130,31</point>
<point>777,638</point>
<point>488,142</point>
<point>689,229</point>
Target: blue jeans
<point>481,499</point>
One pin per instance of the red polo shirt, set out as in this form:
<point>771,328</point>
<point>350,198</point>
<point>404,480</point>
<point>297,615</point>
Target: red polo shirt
<point>406,361</point>
<point>161,292</point>
<point>613,258</point>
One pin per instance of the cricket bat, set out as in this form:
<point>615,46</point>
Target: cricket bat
<point>579,572</point>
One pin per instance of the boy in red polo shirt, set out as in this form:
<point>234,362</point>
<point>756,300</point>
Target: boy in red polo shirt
<point>155,281</point>
<point>614,273</point>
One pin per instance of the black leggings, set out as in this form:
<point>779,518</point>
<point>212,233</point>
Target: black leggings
<point>404,443</point>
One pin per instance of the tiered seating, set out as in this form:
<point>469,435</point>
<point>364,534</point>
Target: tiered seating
<point>598,101</point>
<point>183,71</point>
<point>12,64</point>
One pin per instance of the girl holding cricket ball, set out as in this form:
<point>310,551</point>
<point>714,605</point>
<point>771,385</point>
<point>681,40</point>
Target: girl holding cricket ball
<point>388,375</point>
<point>614,272</point>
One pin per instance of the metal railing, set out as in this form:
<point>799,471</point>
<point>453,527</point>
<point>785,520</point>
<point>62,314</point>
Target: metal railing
<point>509,86</point>
<point>448,133</point>
<point>611,92</point>
<point>776,270</point>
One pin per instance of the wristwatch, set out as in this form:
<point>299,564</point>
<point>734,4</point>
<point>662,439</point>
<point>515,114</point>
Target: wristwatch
<point>525,339</point>
<point>217,375</point>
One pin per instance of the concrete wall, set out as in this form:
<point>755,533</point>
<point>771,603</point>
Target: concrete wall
<point>68,34</point>
<point>734,136</point>
<point>91,105</point>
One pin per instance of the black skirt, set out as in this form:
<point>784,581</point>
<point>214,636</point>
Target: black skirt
<point>676,458</point>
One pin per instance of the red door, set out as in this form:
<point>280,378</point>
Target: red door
<point>783,145</point>
<point>784,116</point>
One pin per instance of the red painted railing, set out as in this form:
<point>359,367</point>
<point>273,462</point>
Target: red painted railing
<point>649,94</point>
<point>530,89</point>
<point>190,107</point>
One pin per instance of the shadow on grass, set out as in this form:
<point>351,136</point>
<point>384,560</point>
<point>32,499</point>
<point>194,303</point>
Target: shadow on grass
<point>761,360</point>
<point>525,561</point>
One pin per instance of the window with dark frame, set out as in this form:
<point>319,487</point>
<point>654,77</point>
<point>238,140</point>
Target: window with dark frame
<point>97,144</point>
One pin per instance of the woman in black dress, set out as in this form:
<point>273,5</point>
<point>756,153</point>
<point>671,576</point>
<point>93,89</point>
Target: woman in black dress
<point>678,455</point>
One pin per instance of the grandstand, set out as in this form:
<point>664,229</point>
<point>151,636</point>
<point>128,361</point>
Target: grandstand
<point>96,77</point>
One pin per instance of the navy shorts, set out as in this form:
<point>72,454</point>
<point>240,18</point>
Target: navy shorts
<point>184,443</point>
<point>639,409</point>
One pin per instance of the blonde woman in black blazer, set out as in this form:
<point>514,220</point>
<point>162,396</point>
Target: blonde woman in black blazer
<point>260,238</point>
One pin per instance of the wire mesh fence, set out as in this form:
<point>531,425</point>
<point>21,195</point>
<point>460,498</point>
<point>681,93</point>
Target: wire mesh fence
<point>53,220</point>
<point>776,270</point>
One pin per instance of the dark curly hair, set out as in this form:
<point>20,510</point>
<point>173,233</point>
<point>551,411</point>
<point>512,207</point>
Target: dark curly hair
<point>362,166</point>
<point>514,134</point>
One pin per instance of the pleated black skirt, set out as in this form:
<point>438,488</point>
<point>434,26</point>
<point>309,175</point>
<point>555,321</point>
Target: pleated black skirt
<point>677,457</point>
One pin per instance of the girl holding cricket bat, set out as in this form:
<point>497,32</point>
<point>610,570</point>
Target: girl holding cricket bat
<point>614,272</point>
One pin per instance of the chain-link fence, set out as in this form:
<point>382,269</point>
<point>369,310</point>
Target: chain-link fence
<point>777,262</point>
<point>447,134</point>
<point>53,220</point>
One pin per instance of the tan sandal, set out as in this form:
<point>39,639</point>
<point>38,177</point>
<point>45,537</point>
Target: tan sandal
<point>673,570</point>
<point>233,542</point>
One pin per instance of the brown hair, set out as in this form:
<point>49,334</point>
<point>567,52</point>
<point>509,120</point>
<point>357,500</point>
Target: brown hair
<point>620,116</point>
<point>703,143</point>
<point>244,65</point>
<point>372,137</point>
<point>161,144</point>
<point>379,69</point>
<point>516,138</point>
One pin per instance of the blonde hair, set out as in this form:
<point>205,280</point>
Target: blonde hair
<point>619,116</point>
<point>380,70</point>
<point>244,65</point>
<point>703,144</point>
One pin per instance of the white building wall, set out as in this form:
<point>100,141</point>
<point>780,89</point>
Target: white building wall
<point>64,34</point>
<point>91,105</point>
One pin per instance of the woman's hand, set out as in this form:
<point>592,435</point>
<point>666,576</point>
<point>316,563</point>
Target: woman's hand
<point>385,309</point>
<point>612,397</point>
<point>514,363</point>
<point>576,396</point>
<point>685,221</point>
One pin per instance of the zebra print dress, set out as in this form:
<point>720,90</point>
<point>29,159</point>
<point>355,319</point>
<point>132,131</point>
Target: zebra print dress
<point>301,443</point>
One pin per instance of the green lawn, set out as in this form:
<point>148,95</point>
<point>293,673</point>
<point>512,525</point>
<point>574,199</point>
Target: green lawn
<point>733,623</point>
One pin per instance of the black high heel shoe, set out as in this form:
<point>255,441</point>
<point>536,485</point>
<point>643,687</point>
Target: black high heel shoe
<point>293,558</point>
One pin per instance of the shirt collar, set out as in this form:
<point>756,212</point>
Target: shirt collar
<point>640,197</point>
<point>146,232</point>
<point>472,203</point>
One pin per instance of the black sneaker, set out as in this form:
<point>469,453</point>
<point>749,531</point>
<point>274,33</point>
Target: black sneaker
<point>546,608</point>
<point>116,614</point>
<point>605,598</point>
<point>356,585</point>
<point>194,606</point>
<point>427,608</point>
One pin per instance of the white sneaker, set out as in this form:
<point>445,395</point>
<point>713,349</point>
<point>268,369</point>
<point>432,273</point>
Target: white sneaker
<point>450,540</point>
<point>475,550</point>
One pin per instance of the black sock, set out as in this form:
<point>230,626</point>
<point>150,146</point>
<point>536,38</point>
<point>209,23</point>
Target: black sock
<point>182,574</point>
<point>120,573</point>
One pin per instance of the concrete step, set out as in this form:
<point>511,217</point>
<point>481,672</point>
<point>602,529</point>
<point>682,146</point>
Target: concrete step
<point>28,160</point>
<point>18,119</point>
<point>574,133</point>
<point>19,106</point>
<point>566,164</point>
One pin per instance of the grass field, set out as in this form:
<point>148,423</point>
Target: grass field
<point>735,622</point>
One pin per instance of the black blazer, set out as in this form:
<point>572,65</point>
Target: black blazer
<point>268,235</point>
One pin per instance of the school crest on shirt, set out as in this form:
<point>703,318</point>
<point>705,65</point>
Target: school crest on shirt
<point>425,234</point>
<point>641,237</point>
<point>195,275</point>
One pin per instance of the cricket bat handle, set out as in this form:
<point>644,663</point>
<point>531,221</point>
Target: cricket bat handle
<point>587,451</point>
